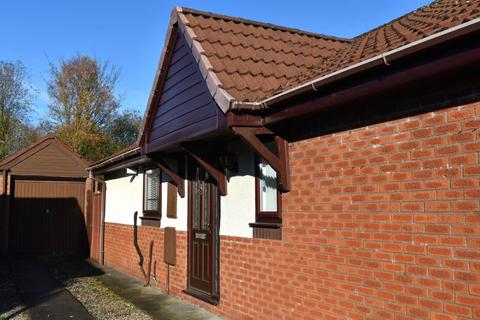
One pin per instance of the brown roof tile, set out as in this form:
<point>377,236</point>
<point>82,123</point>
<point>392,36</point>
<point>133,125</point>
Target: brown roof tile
<point>255,60</point>
<point>423,22</point>
<point>252,59</point>
<point>245,62</point>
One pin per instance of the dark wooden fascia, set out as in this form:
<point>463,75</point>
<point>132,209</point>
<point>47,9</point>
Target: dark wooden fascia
<point>217,175</point>
<point>278,162</point>
<point>176,178</point>
<point>244,120</point>
<point>373,86</point>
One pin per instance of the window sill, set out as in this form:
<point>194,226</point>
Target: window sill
<point>151,220</point>
<point>152,213</point>
<point>214,300</point>
<point>269,225</point>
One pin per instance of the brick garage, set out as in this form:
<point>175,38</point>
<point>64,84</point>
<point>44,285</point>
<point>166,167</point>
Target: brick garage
<point>395,234</point>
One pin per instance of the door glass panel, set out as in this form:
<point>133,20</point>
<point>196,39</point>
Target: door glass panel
<point>207,206</point>
<point>197,190</point>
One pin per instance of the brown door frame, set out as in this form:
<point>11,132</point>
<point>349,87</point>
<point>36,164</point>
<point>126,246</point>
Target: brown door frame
<point>214,296</point>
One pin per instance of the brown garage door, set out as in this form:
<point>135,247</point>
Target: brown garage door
<point>47,217</point>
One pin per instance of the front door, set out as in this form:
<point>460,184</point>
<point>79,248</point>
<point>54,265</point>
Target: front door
<point>203,234</point>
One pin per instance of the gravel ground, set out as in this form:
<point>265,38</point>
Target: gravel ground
<point>11,305</point>
<point>79,278</point>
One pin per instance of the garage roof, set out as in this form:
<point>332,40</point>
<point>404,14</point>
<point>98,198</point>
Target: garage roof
<point>49,156</point>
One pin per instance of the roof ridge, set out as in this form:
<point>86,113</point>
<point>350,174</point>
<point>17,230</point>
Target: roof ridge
<point>186,10</point>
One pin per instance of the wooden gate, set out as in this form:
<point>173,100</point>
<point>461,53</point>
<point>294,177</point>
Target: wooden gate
<point>47,216</point>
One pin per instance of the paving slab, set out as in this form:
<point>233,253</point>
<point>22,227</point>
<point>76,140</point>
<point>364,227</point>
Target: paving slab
<point>152,301</point>
<point>44,297</point>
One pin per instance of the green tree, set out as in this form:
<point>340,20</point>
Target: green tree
<point>15,106</point>
<point>123,129</point>
<point>83,103</point>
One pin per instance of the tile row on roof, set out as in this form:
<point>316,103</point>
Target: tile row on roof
<point>423,22</point>
<point>255,60</point>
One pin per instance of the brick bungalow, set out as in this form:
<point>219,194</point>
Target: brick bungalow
<point>301,176</point>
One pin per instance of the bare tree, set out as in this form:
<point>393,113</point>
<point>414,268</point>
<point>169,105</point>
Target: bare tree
<point>15,106</point>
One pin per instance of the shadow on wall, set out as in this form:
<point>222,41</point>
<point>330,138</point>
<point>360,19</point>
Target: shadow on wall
<point>47,226</point>
<point>410,100</point>
<point>141,259</point>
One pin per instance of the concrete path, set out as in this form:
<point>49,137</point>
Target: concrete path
<point>152,301</point>
<point>43,296</point>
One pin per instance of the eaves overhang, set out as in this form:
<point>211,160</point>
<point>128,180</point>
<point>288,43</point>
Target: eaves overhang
<point>227,103</point>
<point>385,59</point>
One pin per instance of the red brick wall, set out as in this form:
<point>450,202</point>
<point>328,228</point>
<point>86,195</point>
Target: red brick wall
<point>121,254</point>
<point>382,222</point>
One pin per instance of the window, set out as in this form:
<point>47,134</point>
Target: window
<point>152,192</point>
<point>267,196</point>
<point>267,178</point>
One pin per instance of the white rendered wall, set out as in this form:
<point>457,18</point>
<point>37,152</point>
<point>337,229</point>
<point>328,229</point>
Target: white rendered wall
<point>123,197</point>
<point>238,206</point>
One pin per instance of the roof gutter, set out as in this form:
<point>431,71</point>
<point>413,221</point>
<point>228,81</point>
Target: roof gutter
<point>384,59</point>
<point>115,159</point>
<point>133,163</point>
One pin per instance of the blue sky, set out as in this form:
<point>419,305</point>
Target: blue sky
<point>130,34</point>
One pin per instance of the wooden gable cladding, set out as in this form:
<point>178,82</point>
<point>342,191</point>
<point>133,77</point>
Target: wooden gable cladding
<point>184,108</point>
<point>49,157</point>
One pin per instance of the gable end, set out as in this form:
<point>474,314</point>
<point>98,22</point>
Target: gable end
<point>185,107</point>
